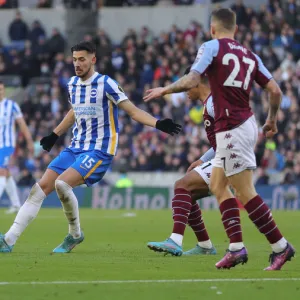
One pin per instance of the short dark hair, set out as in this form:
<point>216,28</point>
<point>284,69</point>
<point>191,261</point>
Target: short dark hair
<point>226,17</point>
<point>204,78</point>
<point>1,82</point>
<point>84,46</point>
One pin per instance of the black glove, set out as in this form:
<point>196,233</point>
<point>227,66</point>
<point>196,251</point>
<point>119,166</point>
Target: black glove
<point>47,142</point>
<point>168,126</point>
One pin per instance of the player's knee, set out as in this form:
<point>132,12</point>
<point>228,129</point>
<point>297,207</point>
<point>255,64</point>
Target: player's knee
<point>182,184</point>
<point>62,189</point>
<point>36,195</point>
<point>245,194</point>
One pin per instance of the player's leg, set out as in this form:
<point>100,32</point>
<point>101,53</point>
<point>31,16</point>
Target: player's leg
<point>3,180</point>
<point>64,185</point>
<point>239,160</point>
<point>230,212</point>
<point>195,220</point>
<point>181,208</point>
<point>29,210</point>
<point>33,203</point>
<point>5,154</point>
<point>12,192</point>
<point>89,167</point>
<point>260,214</point>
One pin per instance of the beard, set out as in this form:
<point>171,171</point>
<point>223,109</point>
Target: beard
<point>85,73</point>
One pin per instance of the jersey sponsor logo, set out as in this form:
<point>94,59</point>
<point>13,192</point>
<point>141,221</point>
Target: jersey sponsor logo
<point>94,93</point>
<point>229,146</point>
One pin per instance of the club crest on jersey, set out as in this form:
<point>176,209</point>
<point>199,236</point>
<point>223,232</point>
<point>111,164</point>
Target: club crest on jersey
<point>94,93</point>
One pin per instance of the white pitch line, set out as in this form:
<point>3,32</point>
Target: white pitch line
<point>146,281</point>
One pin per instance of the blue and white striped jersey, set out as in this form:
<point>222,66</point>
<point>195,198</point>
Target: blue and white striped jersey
<point>9,112</point>
<point>95,104</point>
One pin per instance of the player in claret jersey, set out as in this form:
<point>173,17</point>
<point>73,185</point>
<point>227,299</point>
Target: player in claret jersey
<point>231,69</point>
<point>195,185</point>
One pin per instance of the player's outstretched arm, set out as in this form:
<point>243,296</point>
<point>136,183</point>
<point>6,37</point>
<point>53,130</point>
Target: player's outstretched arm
<point>139,115</point>
<point>48,141</point>
<point>275,96</point>
<point>183,84</point>
<point>25,131</point>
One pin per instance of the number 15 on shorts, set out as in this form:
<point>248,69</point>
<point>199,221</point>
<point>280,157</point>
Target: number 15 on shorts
<point>87,162</point>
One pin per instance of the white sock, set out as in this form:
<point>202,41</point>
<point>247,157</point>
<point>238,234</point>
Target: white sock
<point>26,214</point>
<point>279,246</point>
<point>236,246</point>
<point>70,206</point>
<point>2,184</point>
<point>12,192</point>
<point>177,238</point>
<point>206,244</point>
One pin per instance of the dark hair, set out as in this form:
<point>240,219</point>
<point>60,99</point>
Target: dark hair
<point>1,82</point>
<point>204,78</point>
<point>226,17</point>
<point>84,46</point>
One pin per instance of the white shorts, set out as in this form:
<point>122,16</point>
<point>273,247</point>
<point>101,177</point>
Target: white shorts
<point>204,171</point>
<point>235,148</point>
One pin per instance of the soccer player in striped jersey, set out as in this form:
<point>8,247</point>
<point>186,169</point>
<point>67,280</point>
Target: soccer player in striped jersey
<point>95,100</point>
<point>10,115</point>
<point>194,185</point>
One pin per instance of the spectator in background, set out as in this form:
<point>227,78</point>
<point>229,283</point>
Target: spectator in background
<point>18,31</point>
<point>56,43</point>
<point>142,61</point>
<point>241,14</point>
<point>36,32</point>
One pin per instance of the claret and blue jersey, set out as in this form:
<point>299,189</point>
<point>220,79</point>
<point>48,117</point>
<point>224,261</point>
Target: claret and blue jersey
<point>95,133</point>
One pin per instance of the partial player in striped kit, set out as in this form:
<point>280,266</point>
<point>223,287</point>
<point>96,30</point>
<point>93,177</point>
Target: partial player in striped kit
<point>10,115</point>
<point>194,185</point>
<point>95,99</point>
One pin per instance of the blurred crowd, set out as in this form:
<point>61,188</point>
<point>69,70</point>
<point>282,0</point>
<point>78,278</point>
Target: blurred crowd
<point>91,4</point>
<point>142,60</point>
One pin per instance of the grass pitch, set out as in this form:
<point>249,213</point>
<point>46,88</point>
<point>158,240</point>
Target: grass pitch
<point>114,263</point>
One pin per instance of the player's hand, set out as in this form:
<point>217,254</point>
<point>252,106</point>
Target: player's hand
<point>195,164</point>
<point>270,128</point>
<point>168,126</point>
<point>48,141</point>
<point>153,93</point>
